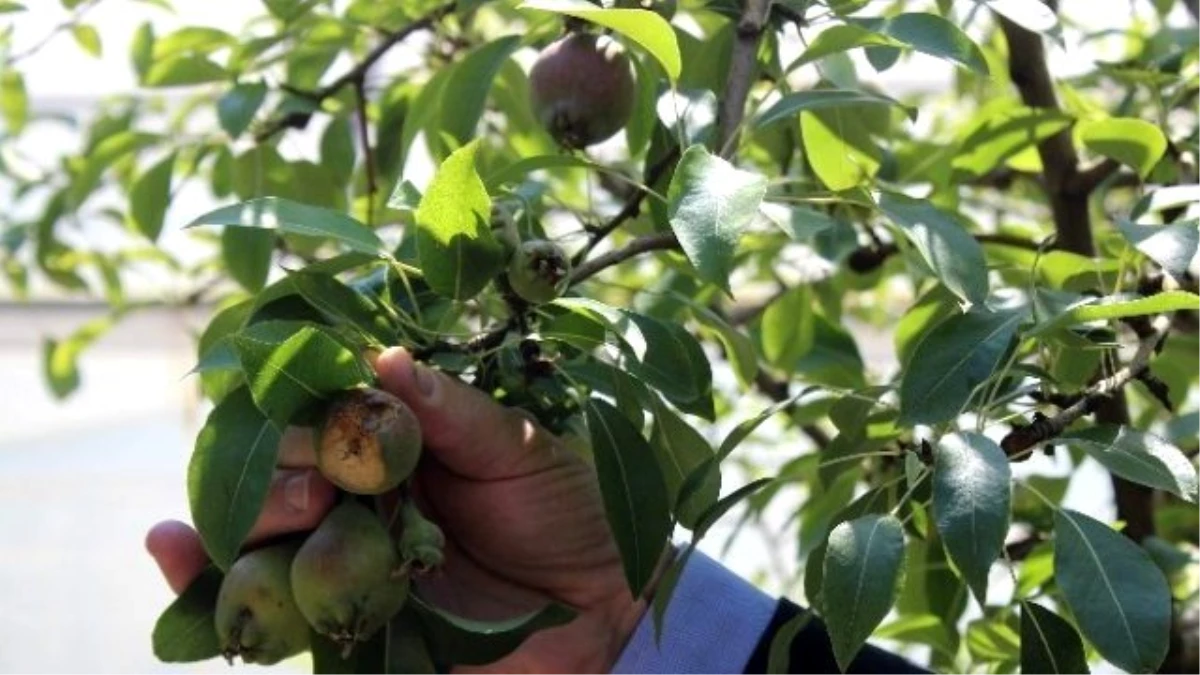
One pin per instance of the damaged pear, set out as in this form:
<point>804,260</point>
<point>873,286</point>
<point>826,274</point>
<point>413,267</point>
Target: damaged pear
<point>369,442</point>
<point>256,616</point>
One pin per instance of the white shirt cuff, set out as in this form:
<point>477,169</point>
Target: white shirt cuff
<point>712,625</point>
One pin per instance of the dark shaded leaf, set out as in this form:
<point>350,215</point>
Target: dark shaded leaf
<point>1048,643</point>
<point>186,630</point>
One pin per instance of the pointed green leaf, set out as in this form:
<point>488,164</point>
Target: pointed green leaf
<point>1119,307</point>
<point>1116,593</point>
<point>839,38</point>
<point>1004,135</point>
<point>186,630</point>
<point>971,498</point>
<point>274,213</point>
<point>1048,643</point>
<point>931,34</point>
<point>288,377</point>
<point>150,196</point>
<point>634,492</point>
<point>839,147</point>
<point>1173,246</point>
<point>465,95</point>
<point>459,254</point>
<point>236,109</point>
<point>337,147</point>
<point>789,105</point>
<point>647,29</point>
<point>247,255</point>
<point>952,359</point>
<point>1133,142</point>
<point>14,100</point>
<point>674,363</point>
<point>186,70</point>
<point>944,243</point>
<point>787,328</point>
<point>680,449</point>
<point>1139,457</point>
<point>230,473</point>
<point>344,305</point>
<point>862,568</point>
<point>88,39</point>
<point>710,202</point>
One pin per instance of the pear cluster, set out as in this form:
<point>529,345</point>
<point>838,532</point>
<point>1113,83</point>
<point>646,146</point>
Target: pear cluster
<point>351,575</point>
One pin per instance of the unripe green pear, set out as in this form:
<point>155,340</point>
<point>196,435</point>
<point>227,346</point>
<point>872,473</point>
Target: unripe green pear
<point>421,542</point>
<point>582,89</point>
<point>256,616</point>
<point>347,577</point>
<point>539,271</point>
<point>368,442</point>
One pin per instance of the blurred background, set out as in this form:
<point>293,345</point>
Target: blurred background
<point>82,480</point>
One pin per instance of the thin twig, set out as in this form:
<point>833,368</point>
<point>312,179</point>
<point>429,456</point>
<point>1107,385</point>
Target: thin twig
<point>364,137</point>
<point>1022,439</point>
<point>36,47</point>
<point>359,71</point>
<point>632,207</point>
<point>651,242</point>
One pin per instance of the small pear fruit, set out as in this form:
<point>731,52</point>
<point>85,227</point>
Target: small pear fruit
<point>347,577</point>
<point>582,89</point>
<point>368,442</point>
<point>256,616</point>
<point>539,271</point>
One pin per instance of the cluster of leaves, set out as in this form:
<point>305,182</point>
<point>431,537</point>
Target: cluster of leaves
<point>706,243</point>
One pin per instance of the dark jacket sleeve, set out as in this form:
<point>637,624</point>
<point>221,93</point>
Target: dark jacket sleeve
<point>811,651</point>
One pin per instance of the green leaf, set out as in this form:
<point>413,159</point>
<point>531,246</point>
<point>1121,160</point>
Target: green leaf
<point>862,568</point>
<point>273,213</point>
<point>1119,307</point>
<point>518,170</point>
<point>739,350</point>
<point>247,255</point>
<point>634,492</point>
<point>141,50</point>
<point>1139,457</point>
<point>1048,643</point>
<point>337,147</point>
<point>931,34</point>
<point>88,39</point>
<point>971,498</point>
<point>185,631</point>
<point>710,202</point>
<point>1004,135</point>
<point>182,71</point>
<point>816,99</point>
<point>649,30</point>
<point>458,252</point>
<point>680,449</point>
<point>1118,596</point>
<point>14,100</point>
<point>944,243</point>
<point>839,147</point>
<point>951,361</point>
<point>236,109</point>
<point>343,305</point>
<point>230,473</point>
<point>674,363</point>
<point>465,642</point>
<point>840,38</point>
<point>780,655</point>
<point>787,328</point>
<point>149,198</point>
<point>465,94</point>
<point>10,7</point>
<point>60,360</point>
<point>1173,246</point>
<point>1133,142</point>
<point>287,378</point>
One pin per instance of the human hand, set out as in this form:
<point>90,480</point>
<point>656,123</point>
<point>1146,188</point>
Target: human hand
<point>522,515</point>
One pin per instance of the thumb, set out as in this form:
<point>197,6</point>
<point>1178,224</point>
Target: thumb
<point>463,428</point>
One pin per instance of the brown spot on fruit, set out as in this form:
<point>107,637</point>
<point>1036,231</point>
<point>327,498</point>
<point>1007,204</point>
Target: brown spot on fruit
<point>369,441</point>
<point>539,271</point>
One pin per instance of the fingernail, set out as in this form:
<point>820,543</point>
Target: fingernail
<point>295,492</point>
<point>426,380</point>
